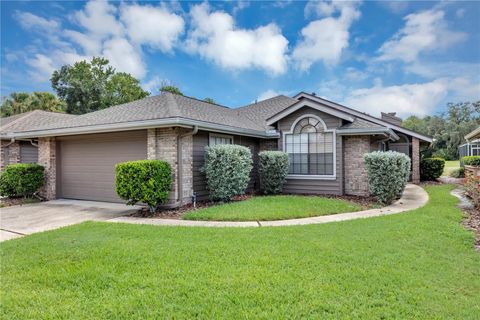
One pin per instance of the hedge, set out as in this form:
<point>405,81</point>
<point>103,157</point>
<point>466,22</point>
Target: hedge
<point>21,180</point>
<point>388,174</point>
<point>227,169</point>
<point>471,160</point>
<point>458,173</point>
<point>273,170</point>
<point>431,168</point>
<point>147,181</point>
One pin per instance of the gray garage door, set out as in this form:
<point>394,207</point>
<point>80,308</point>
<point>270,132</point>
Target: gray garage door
<point>86,164</point>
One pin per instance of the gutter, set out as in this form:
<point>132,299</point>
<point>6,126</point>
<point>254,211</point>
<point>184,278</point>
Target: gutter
<point>144,124</point>
<point>369,131</point>
<point>180,163</point>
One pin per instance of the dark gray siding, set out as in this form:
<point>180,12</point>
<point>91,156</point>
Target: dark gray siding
<point>200,141</point>
<point>28,153</point>
<point>315,186</point>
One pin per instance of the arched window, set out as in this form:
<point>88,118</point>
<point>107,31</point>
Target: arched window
<point>310,148</point>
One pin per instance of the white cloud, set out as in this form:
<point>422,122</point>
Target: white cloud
<point>268,94</point>
<point>30,21</point>
<point>153,26</point>
<point>124,57</point>
<point>89,44</point>
<point>43,67</point>
<point>353,74</point>
<point>325,39</point>
<point>395,6</point>
<point>425,31</point>
<point>215,37</point>
<point>99,18</point>
<point>153,85</point>
<point>407,99</point>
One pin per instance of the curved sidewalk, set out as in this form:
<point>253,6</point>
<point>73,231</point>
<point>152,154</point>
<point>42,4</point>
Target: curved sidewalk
<point>413,197</point>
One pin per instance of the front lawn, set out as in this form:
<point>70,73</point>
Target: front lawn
<point>450,166</point>
<point>273,208</point>
<point>414,265</point>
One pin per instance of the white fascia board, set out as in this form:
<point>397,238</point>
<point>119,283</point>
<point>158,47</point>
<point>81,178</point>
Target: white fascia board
<point>369,131</point>
<point>472,134</point>
<point>363,116</point>
<point>311,104</point>
<point>145,124</point>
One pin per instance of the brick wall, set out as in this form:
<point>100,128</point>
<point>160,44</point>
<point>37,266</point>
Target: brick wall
<point>356,180</point>
<point>47,158</point>
<point>164,146</point>
<point>415,160</point>
<point>10,154</point>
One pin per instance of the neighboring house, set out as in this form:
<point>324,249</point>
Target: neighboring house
<point>325,142</point>
<point>472,147</point>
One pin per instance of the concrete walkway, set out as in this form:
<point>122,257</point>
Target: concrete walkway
<point>413,197</point>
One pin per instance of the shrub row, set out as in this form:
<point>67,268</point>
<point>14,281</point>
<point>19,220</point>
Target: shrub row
<point>471,160</point>
<point>21,180</point>
<point>431,168</point>
<point>388,174</point>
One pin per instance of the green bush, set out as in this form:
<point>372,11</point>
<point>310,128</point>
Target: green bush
<point>431,168</point>
<point>147,181</point>
<point>471,160</point>
<point>388,174</point>
<point>22,179</point>
<point>227,168</point>
<point>458,173</point>
<point>273,170</point>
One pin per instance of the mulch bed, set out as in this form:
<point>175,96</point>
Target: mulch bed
<point>178,213</point>
<point>8,202</point>
<point>471,221</point>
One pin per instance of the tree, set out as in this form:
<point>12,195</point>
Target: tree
<point>209,100</point>
<point>171,88</point>
<point>90,86</point>
<point>447,129</point>
<point>20,102</point>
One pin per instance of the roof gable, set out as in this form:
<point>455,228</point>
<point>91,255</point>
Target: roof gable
<point>362,115</point>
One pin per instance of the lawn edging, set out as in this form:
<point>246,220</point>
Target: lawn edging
<point>412,198</point>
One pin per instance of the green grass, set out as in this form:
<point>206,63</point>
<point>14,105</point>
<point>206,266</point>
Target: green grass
<point>415,265</point>
<point>450,166</point>
<point>273,208</point>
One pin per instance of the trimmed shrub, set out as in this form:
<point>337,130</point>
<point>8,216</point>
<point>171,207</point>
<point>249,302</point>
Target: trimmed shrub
<point>147,181</point>
<point>431,168</point>
<point>273,170</point>
<point>471,161</point>
<point>227,168</point>
<point>388,174</point>
<point>21,180</point>
<point>458,173</point>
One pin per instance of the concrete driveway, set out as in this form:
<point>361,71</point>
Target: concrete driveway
<point>17,221</point>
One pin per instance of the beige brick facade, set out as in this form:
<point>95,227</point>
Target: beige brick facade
<point>10,153</point>
<point>47,158</point>
<point>165,146</point>
<point>356,180</point>
<point>415,160</point>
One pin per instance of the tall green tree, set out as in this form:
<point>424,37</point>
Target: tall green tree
<point>93,85</point>
<point>209,100</point>
<point>171,88</point>
<point>19,102</point>
<point>447,129</point>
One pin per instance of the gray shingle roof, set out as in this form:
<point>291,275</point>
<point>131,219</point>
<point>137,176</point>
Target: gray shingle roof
<point>258,112</point>
<point>359,123</point>
<point>34,119</point>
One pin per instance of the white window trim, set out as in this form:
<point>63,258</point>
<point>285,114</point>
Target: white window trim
<point>212,136</point>
<point>309,176</point>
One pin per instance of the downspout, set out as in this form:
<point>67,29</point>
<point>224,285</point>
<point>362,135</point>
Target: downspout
<point>11,141</point>
<point>180,163</point>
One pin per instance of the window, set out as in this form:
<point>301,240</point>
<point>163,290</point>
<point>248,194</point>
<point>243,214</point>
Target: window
<point>310,148</point>
<point>220,139</point>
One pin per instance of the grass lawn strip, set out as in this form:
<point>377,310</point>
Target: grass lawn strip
<point>265,208</point>
<point>450,166</point>
<point>419,265</point>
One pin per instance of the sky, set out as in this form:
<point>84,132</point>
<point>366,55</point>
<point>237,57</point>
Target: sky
<point>406,57</point>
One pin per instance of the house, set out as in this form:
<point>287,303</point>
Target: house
<point>325,142</point>
<point>472,147</point>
